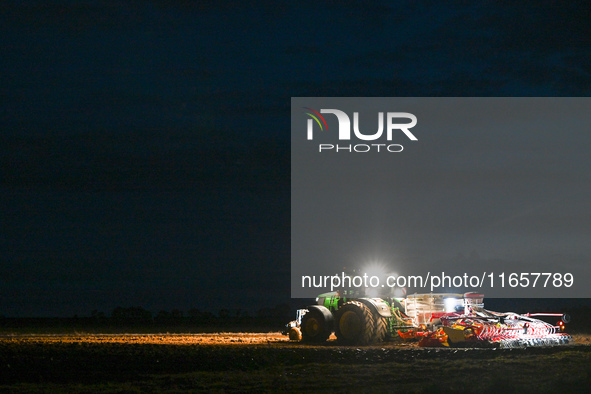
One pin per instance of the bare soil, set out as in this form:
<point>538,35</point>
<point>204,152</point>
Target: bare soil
<point>269,362</point>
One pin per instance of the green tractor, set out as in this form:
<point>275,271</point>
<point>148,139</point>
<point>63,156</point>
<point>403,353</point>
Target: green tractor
<point>437,319</point>
<point>355,319</point>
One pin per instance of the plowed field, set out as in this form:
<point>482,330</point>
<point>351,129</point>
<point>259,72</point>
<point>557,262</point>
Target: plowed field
<point>268,362</point>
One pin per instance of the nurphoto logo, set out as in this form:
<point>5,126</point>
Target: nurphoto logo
<point>393,126</point>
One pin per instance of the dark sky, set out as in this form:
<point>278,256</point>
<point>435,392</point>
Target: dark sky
<point>144,145</point>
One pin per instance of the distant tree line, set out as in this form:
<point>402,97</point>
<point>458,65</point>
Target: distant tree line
<point>277,315</point>
<point>175,320</point>
<point>138,319</point>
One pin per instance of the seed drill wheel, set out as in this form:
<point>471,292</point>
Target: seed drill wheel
<point>295,334</point>
<point>316,324</point>
<point>355,324</point>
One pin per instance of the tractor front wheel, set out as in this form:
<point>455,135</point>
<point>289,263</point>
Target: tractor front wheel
<point>316,325</point>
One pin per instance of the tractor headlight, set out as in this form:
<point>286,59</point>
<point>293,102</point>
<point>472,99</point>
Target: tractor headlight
<point>450,304</point>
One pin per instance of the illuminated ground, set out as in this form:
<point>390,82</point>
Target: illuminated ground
<point>275,339</point>
<point>269,362</point>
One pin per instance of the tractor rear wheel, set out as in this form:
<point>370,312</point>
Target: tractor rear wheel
<point>316,325</point>
<point>355,324</point>
<point>381,328</point>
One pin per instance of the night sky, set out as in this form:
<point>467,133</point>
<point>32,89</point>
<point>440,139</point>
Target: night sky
<point>145,145</point>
